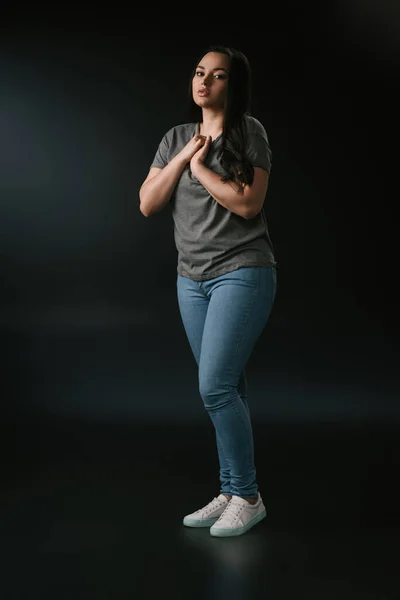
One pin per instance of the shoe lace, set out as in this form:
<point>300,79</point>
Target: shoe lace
<point>232,511</point>
<point>210,506</point>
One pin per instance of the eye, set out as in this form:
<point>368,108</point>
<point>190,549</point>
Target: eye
<point>216,74</point>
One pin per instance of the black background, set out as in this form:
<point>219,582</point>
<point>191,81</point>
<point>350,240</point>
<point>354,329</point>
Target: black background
<point>90,323</point>
<point>87,95</point>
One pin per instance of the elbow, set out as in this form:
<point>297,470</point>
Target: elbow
<point>250,206</point>
<point>142,206</point>
<point>253,211</point>
<point>252,214</point>
<point>249,213</point>
<point>143,211</point>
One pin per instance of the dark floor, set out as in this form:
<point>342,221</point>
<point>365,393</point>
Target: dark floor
<point>94,510</point>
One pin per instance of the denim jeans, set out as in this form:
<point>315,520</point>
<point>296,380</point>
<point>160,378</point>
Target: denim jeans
<point>223,318</point>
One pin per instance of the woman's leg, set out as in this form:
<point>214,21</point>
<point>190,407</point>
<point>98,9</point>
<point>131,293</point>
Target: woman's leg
<point>240,304</point>
<point>193,305</point>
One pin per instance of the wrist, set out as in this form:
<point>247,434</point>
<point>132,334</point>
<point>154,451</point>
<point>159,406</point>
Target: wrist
<point>196,167</point>
<point>181,159</point>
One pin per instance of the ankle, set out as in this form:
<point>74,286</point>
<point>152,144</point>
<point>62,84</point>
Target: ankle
<point>252,500</point>
<point>227,496</point>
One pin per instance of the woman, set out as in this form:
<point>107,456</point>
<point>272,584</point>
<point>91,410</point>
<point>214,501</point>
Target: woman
<point>214,172</point>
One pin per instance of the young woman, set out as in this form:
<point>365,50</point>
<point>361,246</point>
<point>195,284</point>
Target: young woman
<point>214,171</point>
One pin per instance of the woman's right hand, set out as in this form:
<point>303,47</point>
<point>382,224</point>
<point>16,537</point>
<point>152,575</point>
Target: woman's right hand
<point>192,147</point>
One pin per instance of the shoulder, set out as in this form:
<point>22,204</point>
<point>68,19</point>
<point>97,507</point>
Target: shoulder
<point>184,127</point>
<point>178,131</point>
<point>254,126</point>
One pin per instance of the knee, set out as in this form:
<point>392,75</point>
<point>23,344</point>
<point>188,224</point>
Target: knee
<point>208,394</point>
<point>214,396</point>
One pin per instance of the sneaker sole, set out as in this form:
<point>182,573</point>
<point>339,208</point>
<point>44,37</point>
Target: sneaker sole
<point>239,530</point>
<point>199,522</point>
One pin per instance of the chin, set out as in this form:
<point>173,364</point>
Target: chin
<point>202,100</point>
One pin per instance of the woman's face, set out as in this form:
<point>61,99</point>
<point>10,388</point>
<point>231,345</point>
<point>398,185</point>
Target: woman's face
<point>211,75</point>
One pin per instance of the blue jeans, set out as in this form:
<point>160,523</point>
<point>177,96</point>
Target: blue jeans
<point>223,318</point>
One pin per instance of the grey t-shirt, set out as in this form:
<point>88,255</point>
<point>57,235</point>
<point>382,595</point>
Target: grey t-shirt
<point>210,239</point>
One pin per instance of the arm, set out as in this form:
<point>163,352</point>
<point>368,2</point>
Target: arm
<point>246,204</point>
<point>157,188</point>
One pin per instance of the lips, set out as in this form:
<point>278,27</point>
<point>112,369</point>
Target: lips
<point>203,92</point>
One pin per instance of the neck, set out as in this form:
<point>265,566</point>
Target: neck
<point>213,122</point>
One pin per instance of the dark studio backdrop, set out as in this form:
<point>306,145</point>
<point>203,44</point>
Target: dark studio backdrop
<point>89,315</point>
<point>100,407</point>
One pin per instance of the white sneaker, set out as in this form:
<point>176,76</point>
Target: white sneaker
<point>238,517</point>
<point>209,514</point>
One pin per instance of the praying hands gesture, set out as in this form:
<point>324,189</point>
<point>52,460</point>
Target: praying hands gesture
<point>199,156</point>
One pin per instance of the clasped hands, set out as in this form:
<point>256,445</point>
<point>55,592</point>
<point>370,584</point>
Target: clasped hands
<point>199,157</point>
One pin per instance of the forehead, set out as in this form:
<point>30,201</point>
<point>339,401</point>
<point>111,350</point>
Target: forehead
<point>215,59</point>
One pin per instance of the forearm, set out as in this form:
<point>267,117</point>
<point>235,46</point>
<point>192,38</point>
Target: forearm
<point>225,193</point>
<point>156,192</point>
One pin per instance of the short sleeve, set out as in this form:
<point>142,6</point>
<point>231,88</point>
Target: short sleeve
<point>258,150</point>
<point>160,159</point>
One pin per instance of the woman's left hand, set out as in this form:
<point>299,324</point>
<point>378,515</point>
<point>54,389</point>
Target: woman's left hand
<point>200,155</point>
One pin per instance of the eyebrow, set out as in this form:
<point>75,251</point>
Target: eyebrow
<point>216,68</point>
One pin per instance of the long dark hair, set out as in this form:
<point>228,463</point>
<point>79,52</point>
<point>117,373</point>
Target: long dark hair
<point>234,139</point>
